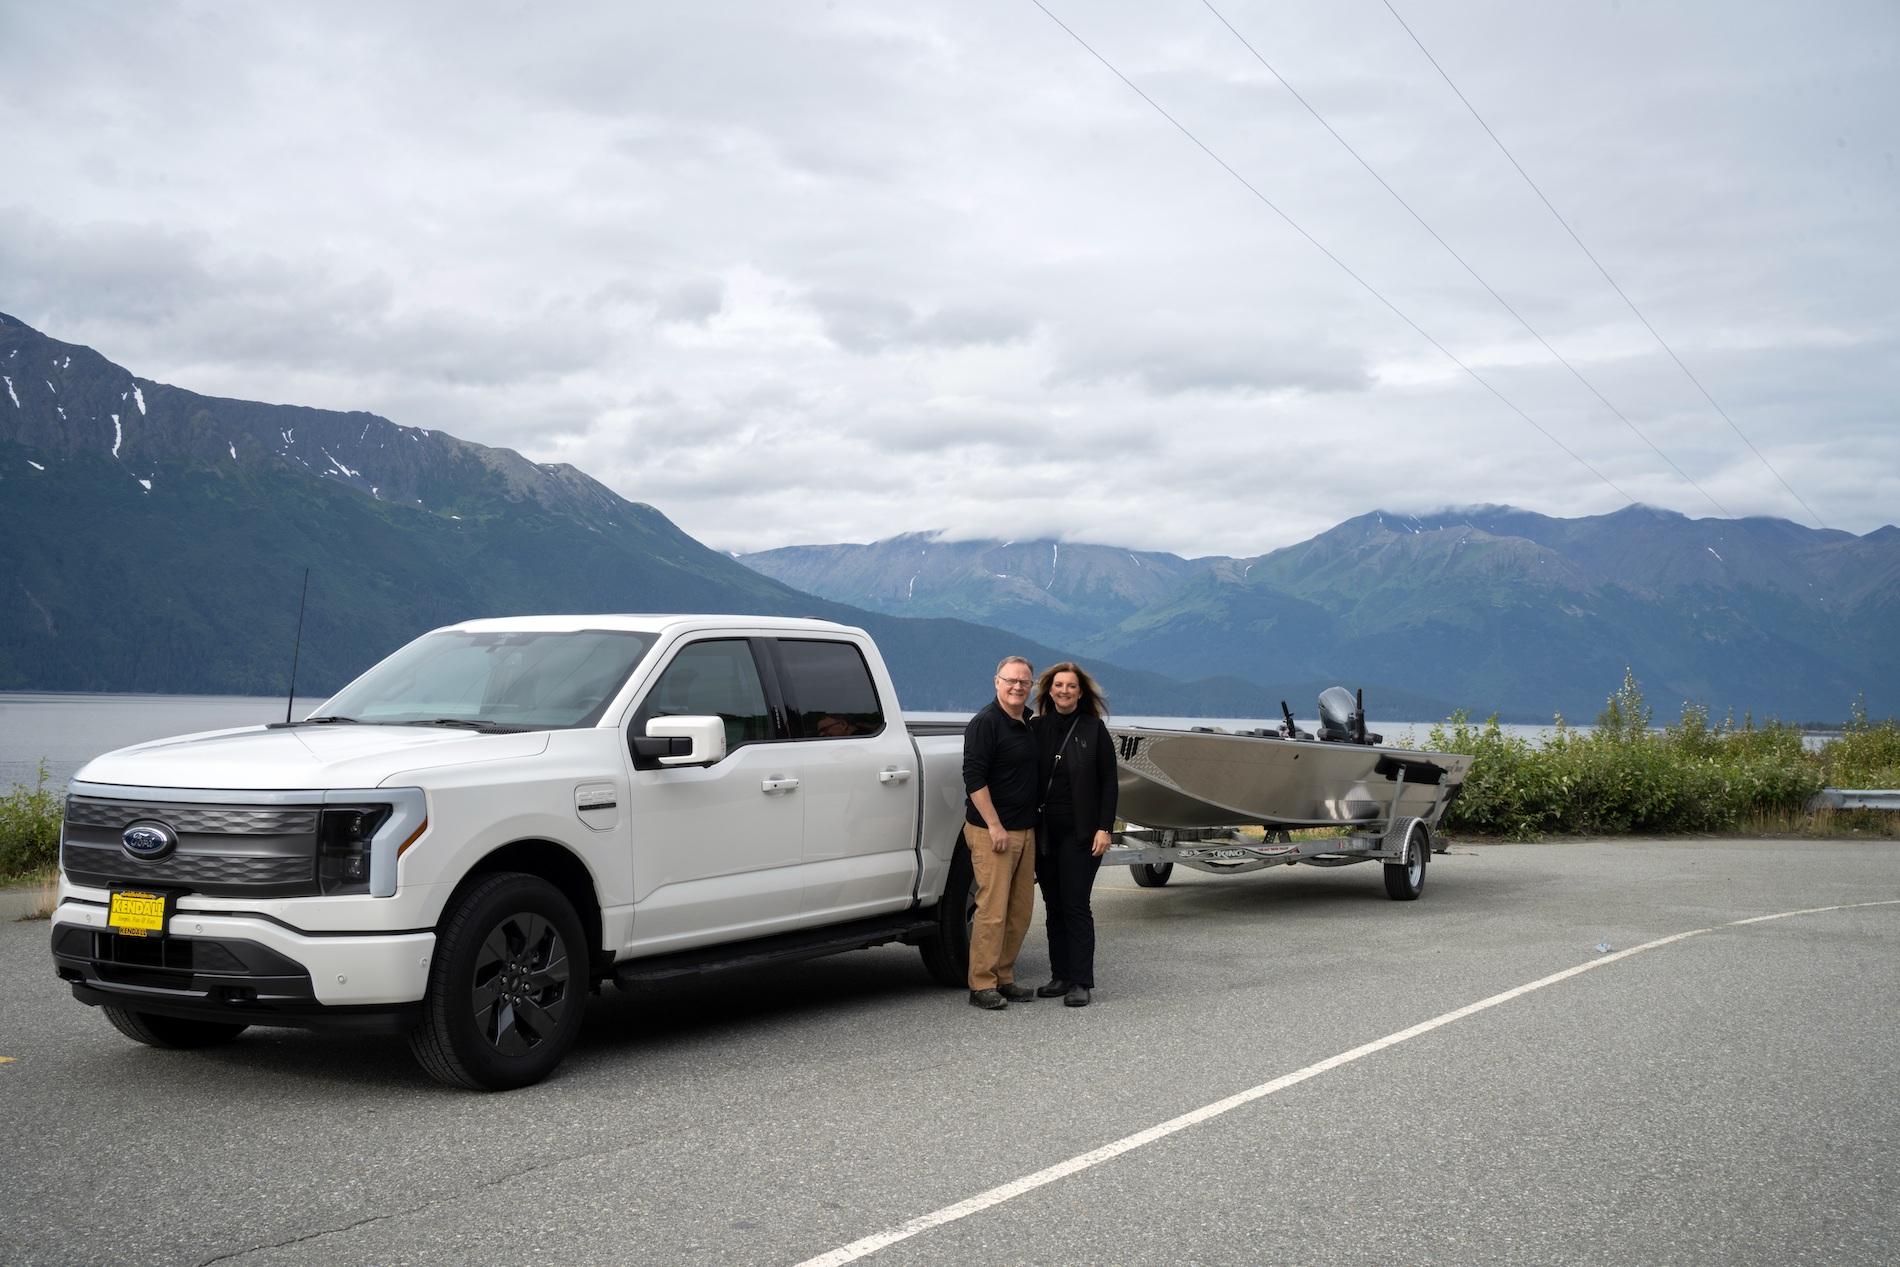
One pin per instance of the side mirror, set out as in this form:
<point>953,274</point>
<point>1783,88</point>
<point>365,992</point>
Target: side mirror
<point>704,739</point>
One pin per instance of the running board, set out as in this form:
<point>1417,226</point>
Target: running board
<point>807,943</point>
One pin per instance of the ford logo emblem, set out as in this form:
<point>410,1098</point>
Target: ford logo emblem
<point>148,839</point>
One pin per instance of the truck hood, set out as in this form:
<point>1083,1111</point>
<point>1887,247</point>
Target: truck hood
<point>336,756</point>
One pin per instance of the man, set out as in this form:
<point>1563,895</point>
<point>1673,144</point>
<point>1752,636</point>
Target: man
<point>999,776</point>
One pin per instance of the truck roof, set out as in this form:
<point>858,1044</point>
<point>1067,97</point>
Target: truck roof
<point>653,623</point>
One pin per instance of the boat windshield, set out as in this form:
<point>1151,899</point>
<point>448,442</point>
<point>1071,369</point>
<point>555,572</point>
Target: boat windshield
<point>539,680</point>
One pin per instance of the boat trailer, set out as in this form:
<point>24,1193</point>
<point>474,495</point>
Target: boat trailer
<point>1402,842</point>
<point>1152,854</point>
<point>1188,795</point>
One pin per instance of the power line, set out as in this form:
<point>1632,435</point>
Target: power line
<point>1321,247</point>
<point>1489,289</point>
<point>1599,265</point>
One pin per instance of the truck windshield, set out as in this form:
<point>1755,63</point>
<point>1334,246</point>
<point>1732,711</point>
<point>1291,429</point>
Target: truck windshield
<point>534,680</point>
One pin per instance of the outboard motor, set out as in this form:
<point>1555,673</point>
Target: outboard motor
<point>1342,717</point>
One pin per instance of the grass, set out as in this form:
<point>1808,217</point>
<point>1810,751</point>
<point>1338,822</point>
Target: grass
<point>29,832</point>
<point>44,885</point>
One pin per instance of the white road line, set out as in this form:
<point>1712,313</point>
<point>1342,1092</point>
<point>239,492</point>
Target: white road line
<point>869,1245</point>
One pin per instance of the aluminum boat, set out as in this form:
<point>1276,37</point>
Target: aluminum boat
<point>1283,778</point>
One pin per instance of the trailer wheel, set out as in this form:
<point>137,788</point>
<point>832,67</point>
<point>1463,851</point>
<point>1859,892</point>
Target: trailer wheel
<point>175,1032</point>
<point>1151,875</point>
<point>1405,879</point>
<point>946,952</point>
<point>508,987</point>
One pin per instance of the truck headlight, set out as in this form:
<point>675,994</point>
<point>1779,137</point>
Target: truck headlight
<point>344,835</point>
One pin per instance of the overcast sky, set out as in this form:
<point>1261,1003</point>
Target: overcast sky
<point>804,272</point>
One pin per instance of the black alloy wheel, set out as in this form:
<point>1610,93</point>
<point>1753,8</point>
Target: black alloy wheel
<point>521,984</point>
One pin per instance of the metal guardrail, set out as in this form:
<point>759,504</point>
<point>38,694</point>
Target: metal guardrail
<point>1856,798</point>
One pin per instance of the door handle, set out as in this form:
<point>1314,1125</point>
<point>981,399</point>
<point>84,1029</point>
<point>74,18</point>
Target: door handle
<point>892,775</point>
<point>779,785</point>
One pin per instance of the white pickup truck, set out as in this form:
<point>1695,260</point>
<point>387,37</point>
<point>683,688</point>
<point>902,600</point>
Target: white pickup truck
<point>469,838</point>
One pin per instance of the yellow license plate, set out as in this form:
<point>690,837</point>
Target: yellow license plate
<point>136,913</point>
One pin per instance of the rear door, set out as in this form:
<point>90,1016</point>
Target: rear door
<point>858,777</point>
<point>717,849</point>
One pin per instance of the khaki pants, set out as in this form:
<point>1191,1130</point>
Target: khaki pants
<point>1005,896</point>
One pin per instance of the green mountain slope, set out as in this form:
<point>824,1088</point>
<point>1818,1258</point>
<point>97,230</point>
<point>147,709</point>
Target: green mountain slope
<point>156,540</point>
<point>1491,608</point>
<point>1047,590</point>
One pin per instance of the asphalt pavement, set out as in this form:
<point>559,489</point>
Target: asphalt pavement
<point>1729,1097</point>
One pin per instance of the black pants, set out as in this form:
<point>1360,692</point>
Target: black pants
<point>1065,871</point>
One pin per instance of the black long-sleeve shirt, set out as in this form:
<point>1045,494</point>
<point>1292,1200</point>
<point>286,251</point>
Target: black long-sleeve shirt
<point>1000,753</point>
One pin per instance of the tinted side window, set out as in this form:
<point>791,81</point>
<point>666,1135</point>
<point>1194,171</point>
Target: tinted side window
<point>716,678</point>
<point>828,690</point>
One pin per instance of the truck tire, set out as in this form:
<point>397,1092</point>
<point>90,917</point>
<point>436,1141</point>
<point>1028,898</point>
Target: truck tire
<point>946,952</point>
<point>508,986</point>
<point>176,1032</point>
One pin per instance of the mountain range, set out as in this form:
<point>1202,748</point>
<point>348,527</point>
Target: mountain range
<point>156,540</point>
<point>1492,607</point>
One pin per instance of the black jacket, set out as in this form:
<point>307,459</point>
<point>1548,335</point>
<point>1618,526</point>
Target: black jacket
<point>1088,762</point>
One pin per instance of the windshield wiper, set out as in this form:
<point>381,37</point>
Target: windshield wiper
<point>466,723</point>
<point>310,721</point>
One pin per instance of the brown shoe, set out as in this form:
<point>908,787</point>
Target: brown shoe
<point>988,1000</point>
<point>1015,993</point>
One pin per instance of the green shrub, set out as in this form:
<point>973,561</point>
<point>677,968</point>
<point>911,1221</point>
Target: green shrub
<point>1625,777</point>
<point>1866,755</point>
<point>29,829</point>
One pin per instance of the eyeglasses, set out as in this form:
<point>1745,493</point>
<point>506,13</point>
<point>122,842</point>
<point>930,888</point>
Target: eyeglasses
<point>1015,683</point>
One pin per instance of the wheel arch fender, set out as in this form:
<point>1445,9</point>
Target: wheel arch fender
<point>559,866</point>
<point>1403,828</point>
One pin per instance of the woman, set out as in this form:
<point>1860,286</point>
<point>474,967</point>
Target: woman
<point>1076,775</point>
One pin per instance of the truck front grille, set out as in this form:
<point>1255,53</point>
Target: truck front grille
<point>222,850</point>
<point>213,820</point>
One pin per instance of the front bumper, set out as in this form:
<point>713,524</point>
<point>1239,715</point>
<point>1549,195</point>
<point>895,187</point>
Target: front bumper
<point>244,968</point>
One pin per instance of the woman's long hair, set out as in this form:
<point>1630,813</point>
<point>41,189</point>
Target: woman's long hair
<point>1092,701</point>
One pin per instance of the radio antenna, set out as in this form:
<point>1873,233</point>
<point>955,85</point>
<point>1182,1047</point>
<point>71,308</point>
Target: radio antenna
<point>296,647</point>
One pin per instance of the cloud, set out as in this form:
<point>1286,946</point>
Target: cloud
<point>694,302</point>
<point>1171,355</point>
<point>803,273</point>
<point>868,324</point>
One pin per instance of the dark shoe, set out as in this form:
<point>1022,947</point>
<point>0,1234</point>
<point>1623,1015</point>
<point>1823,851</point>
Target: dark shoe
<point>1015,993</point>
<point>1078,996</point>
<point>1054,990</point>
<point>989,1000</point>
